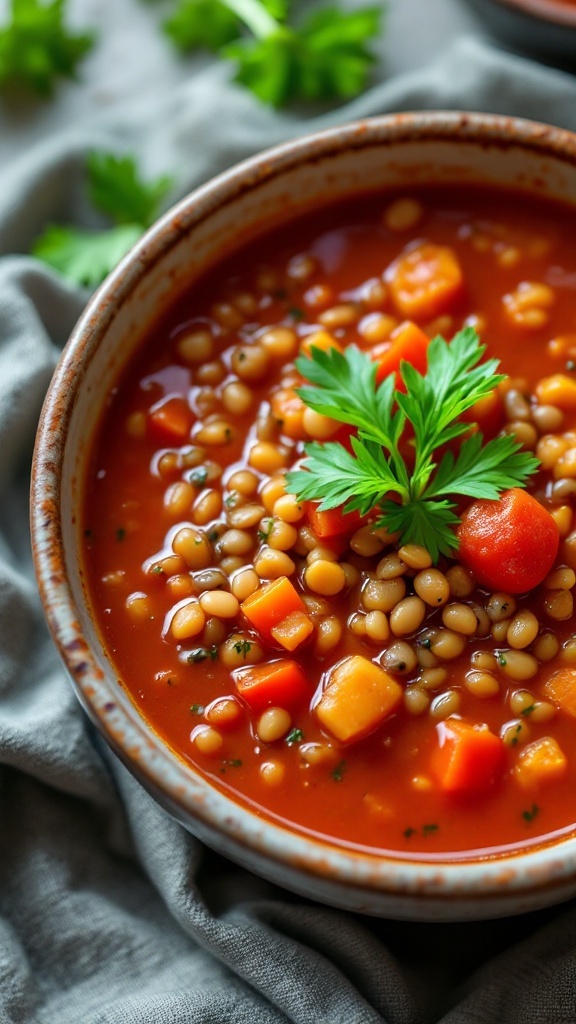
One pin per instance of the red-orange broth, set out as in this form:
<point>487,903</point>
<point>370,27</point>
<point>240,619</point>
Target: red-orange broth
<point>379,792</point>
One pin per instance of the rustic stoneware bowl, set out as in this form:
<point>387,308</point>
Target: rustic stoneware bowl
<point>238,206</point>
<point>546,28</point>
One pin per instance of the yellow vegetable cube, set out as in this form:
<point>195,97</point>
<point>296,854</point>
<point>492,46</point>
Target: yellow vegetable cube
<point>541,762</point>
<point>358,697</point>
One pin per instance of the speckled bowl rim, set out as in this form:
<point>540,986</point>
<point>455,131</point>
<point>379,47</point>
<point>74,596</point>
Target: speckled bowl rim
<point>178,787</point>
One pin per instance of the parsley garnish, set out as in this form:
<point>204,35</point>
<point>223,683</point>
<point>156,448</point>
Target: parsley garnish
<point>531,813</point>
<point>242,647</point>
<point>202,654</point>
<point>528,710</point>
<point>36,46</point>
<point>268,525</point>
<point>197,709</point>
<point>338,772</point>
<point>116,190</point>
<point>501,659</point>
<point>428,830</point>
<point>325,57</point>
<point>294,736</point>
<point>414,499</point>
<point>234,763</point>
<point>409,832</point>
<point>198,476</point>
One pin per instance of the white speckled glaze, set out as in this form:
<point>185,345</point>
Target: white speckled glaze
<point>213,221</point>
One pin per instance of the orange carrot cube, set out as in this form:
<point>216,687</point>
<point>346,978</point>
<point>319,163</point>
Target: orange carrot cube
<point>469,758</point>
<point>560,688</point>
<point>425,281</point>
<point>268,606</point>
<point>293,630</point>
<point>279,684</point>
<point>170,420</point>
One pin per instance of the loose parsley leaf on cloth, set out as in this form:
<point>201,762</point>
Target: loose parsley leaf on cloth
<point>36,46</point>
<point>413,494</point>
<point>325,57</point>
<point>115,188</point>
<point>209,23</point>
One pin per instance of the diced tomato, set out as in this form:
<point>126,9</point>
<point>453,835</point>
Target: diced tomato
<point>170,420</point>
<point>511,543</point>
<point>469,758</point>
<point>279,684</point>
<point>407,343</point>
<point>268,606</point>
<point>332,523</point>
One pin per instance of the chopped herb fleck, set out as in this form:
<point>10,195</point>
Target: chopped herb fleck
<point>426,642</point>
<point>338,772</point>
<point>198,476</point>
<point>243,647</point>
<point>294,736</point>
<point>531,813</point>
<point>528,711</point>
<point>428,830</point>
<point>213,536</point>
<point>234,763</point>
<point>232,499</point>
<point>296,313</point>
<point>202,654</point>
<point>120,534</point>
<point>265,533</point>
<point>157,569</point>
<point>409,832</point>
<point>501,658</point>
<point>197,709</point>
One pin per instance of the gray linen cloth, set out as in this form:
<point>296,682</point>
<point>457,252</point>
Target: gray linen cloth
<point>110,913</point>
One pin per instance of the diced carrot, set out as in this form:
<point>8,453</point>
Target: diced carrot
<point>559,390</point>
<point>318,339</point>
<point>511,543</point>
<point>293,630</point>
<point>170,420</point>
<point>279,684</point>
<point>358,697</point>
<point>561,689</point>
<point>333,522</point>
<point>407,343</point>
<point>271,604</point>
<point>288,411</point>
<point>425,281</point>
<point>469,758</point>
<point>540,763</point>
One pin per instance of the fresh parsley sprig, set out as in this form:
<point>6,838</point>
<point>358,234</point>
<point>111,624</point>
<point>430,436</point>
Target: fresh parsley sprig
<point>411,485</point>
<point>326,56</point>
<point>36,47</point>
<point>115,189</point>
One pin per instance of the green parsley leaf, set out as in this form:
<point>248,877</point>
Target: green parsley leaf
<point>202,23</point>
<point>36,46</point>
<point>338,772</point>
<point>325,57</point>
<point>115,188</point>
<point>294,736</point>
<point>242,647</point>
<point>85,257</point>
<point>532,813</point>
<point>414,499</point>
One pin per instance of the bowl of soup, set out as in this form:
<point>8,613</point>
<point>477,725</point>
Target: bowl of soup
<point>303,515</point>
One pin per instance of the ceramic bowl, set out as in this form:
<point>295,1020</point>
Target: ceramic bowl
<point>544,28</point>
<point>236,207</point>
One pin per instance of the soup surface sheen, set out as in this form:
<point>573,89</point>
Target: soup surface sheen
<point>187,516</point>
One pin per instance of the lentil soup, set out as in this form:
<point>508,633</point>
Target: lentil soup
<point>244,622</point>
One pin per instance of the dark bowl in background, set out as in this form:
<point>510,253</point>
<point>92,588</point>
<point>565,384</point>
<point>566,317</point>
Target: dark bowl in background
<point>543,28</point>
